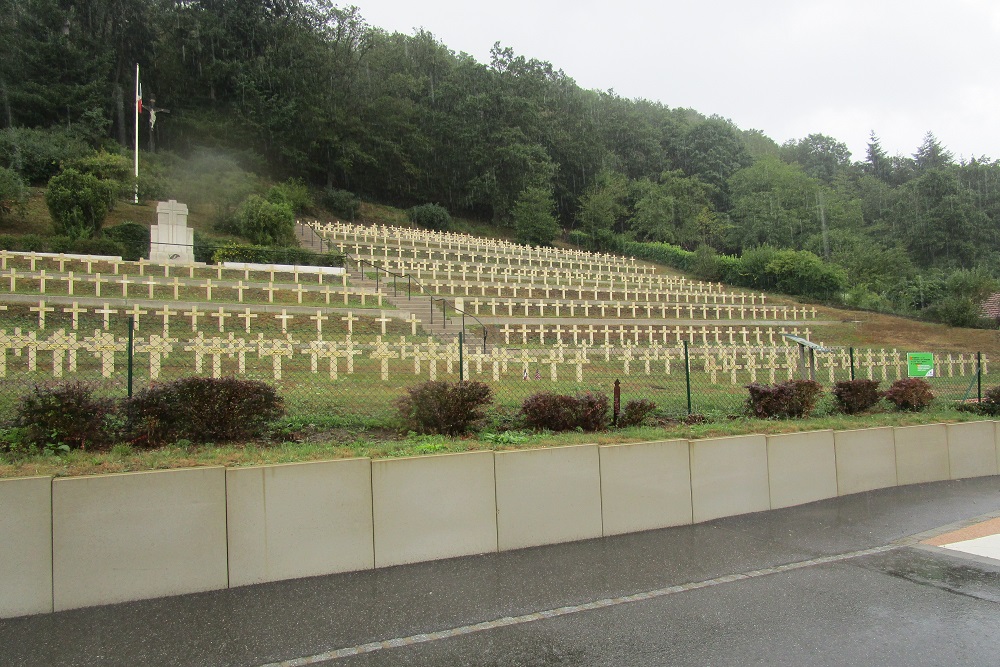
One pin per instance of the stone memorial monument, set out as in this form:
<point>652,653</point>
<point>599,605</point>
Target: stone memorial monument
<point>170,241</point>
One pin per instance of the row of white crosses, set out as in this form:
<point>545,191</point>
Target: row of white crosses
<point>640,335</point>
<point>415,237</point>
<point>633,309</point>
<point>782,363</point>
<point>218,319</point>
<point>413,258</point>
<point>732,364</point>
<point>199,318</point>
<point>41,282</point>
<point>143,267</point>
<point>589,295</point>
<point>484,272</point>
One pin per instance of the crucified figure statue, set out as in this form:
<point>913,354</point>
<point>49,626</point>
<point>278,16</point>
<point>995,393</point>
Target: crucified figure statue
<point>153,110</point>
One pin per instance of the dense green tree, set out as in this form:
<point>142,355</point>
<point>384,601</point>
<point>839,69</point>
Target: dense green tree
<point>602,207</point>
<point>819,155</point>
<point>78,203</point>
<point>534,217</point>
<point>675,209</point>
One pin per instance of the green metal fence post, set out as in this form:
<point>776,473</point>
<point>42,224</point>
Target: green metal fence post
<point>852,364</point>
<point>461,356</point>
<point>687,374</point>
<point>979,376</point>
<point>131,351</point>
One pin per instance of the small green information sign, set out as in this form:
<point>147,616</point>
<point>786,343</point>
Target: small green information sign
<point>920,364</point>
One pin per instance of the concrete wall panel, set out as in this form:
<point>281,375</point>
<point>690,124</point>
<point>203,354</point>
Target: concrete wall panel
<point>921,453</point>
<point>25,546</point>
<point>545,496</point>
<point>138,535</point>
<point>433,507</point>
<point>801,468</point>
<point>866,460</point>
<point>645,486</point>
<point>972,449</point>
<point>299,520</point>
<point>729,476</point>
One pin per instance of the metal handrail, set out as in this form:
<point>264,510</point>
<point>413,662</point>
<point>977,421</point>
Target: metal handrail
<point>458,310</point>
<point>410,280</point>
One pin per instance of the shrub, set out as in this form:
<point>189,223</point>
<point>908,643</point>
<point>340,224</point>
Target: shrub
<point>430,216</point>
<point>85,246</point>
<point>202,409</point>
<point>635,413</point>
<point>66,414</point>
<point>592,411</point>
<point>24,243</point>
<point>854,396</point>
<point>795,398</point>
<point>990,405</point>
<point>233,252</point>
<point>13,193</point>
<point>341,203</point>
<point>546,410</point>
<point>78,203</point>
<point>37,154</point>
<point>293,193</point>
<point>264,223</point>
<point>911,394</point>
<point>444,407</point>
<point>558,412</point>
<point>133,237</point>
<point>105,166</point>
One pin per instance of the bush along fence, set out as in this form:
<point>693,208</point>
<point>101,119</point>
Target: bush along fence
<point>336,362</point>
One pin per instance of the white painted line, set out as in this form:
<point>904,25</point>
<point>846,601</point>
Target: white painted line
<point>988,547</point>
<point>423,638</point>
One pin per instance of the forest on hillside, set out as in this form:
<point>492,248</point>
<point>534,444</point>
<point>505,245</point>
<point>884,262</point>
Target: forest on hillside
<point>305,89</point>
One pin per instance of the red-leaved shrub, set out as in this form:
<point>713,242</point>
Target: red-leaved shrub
<point>450,408</point>
<point>910,394</point>
<point>558,412</point>
<point>795,398</point>
<point>854,396</point>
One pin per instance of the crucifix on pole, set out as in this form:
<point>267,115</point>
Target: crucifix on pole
<point>153,110</point>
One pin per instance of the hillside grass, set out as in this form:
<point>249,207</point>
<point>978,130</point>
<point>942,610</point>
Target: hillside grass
<point>329,438</point>
<point>323,437</point>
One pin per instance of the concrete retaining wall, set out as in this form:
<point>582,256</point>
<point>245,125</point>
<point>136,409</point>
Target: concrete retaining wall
<point>138,535</point>
<point>969,449</point>
<point>546,496</point>
<point>645,486</point>
<point>801,468</point>
<point>434,507</point>
<point>729,476</point>
<point>921,453</point>
<point>25,546</point>
<point>299,520</point>
<point>68,543</point>
<point>866,460</point>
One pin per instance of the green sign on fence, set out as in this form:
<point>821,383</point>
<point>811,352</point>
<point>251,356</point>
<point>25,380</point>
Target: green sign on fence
<point>920,364</point>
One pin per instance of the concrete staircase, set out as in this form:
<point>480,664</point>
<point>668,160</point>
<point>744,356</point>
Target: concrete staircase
<point>310,240</point>
<point>445,330</point>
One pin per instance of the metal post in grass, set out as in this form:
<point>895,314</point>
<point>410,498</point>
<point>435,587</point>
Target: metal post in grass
<point>461,356</point>
<point>131,351</point>
<point>852,364</point>
<point>979,376</point>
<point>617,409</point>
<point>687,374</point>
<point>408,290</point>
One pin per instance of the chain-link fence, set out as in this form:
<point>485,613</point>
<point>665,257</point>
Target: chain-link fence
<point>357,363</point>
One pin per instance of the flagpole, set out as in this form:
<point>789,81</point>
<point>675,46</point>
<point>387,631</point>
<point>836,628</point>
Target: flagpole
<point>135,108</point>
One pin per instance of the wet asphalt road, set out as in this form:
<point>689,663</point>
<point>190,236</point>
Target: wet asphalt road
<point>902,604</point>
